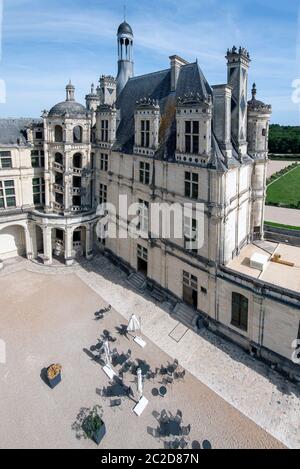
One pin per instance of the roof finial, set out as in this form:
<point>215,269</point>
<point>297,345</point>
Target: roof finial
<point>70,90</point>
<point>124,10</point>
<point>254,91</point>
<point>92,88</point>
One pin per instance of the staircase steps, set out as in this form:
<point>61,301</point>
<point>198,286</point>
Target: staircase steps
<point>137,281</point>
<point>157,294</point>
<point>186,315</point>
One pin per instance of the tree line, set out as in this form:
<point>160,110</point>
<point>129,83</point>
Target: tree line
<point>284,139</point>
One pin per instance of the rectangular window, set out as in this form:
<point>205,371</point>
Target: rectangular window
<point>142,253</point>
<point>7,194</point>
<point>239,313</point>
<point>144,216</point>
<point>191,182</point>
<point>144,173</point>
<point>190,280</point>
<point>38,189</point>
<point>102,194</point>
<point>192,137</point>
<point>104,130</point>
<point>39,135</point>
<point>37,158</point>
<point>5,159</point>
<point>145,133</point>
<point>190,234</point>
<point>104,162</point>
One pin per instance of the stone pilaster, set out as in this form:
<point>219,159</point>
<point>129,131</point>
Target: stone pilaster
<point>47,241</point>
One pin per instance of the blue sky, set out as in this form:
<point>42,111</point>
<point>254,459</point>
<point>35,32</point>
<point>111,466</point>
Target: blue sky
<point>44,43</point>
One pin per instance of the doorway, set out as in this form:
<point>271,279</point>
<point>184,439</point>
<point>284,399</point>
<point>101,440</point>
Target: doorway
<point>142,260</point>
<point>190,289</point>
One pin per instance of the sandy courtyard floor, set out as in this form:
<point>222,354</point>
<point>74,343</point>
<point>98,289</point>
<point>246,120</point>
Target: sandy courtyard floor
<point>50,318</point>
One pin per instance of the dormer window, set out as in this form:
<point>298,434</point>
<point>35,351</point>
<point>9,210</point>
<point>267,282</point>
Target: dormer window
<point>104,130</point>
<point>145,133</point>
<point>192,137</point>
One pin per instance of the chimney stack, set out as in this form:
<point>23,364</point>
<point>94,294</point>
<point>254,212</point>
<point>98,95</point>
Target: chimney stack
<point>222,116</point>
<point>176,63</point>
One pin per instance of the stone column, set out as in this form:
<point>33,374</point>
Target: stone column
<point>89,242</point>
<point>28,244</point>
<point>47,240</point>
<point>32,232</point>
<point>69,260</point>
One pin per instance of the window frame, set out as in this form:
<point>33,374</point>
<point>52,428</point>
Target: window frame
<point>190,231</point>
<point>144,173</point>
<point>239,317</point>
<point>39,194</point>
<point>7,185</point>
<point>144,216</point>
<point>104,130</point>
<point>192,137</point>
<point>102,193</point>
<point>145,133</point>
<point>104,162</point>
<point>6,155</point>
<point>191,185</point>
<point>39,156</point>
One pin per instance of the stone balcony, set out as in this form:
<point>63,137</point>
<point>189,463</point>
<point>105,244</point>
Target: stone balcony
<point>58,188</point>
<point>58,167</point>
<point>58,207</point>
<point>77,190</point>
<point>77,171</point>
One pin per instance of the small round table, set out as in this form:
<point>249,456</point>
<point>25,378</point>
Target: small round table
<point>162,391</point>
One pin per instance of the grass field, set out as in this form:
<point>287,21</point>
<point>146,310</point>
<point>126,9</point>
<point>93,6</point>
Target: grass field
<point>286,190</point>
<point>279,225</point>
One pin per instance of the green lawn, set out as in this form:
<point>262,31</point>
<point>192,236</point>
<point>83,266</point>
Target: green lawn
<point>286,190</point>
<point>279,225</point>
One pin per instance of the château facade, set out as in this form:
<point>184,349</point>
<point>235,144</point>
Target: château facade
<point>166,137</point>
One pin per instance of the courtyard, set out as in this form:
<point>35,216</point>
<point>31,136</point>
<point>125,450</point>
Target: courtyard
<point>50,318</point>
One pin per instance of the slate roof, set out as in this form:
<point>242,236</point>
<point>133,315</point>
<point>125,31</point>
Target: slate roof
<point>71,107</point>
<point>13,131</point>
<point>157,86</point>
<point>125,28</point>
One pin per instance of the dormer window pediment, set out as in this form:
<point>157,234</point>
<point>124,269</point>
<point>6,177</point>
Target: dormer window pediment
<point>147,121</point>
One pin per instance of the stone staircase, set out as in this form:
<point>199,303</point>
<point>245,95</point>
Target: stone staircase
<point>137,281</point>
<point>186,315</point>
<point>157,294</point>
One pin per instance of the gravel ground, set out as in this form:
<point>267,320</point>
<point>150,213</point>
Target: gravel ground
<point>274,166</point>
<point>50,318</point>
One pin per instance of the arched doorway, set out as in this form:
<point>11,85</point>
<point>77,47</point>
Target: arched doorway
<point>77,134</point>
<point>58,134</point>
<point>79,242</point>
<point>77,160</point>
<point>12,242</point>
<point>58,243</point>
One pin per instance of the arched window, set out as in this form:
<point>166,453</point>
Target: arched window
<point>239,311</point>
<point>58,133</point>
<point>58,158</point>
<point>77,160</point>
<point>77,134</point>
